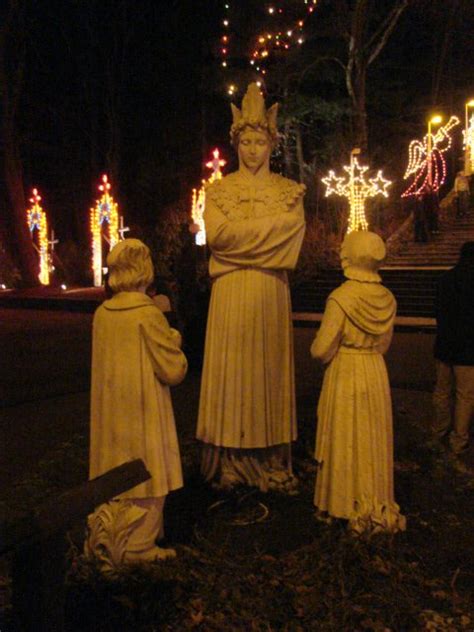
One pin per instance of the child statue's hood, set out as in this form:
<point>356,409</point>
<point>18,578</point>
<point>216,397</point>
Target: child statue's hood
<point>370,306</point>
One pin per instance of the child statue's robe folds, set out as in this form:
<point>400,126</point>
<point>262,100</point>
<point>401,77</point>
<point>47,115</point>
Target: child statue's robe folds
<point>354,443</point>
<point>136,356</point>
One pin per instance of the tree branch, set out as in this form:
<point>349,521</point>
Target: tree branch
<point>385,30</point>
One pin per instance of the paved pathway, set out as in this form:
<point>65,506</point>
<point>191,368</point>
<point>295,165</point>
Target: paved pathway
<point>44,381</point>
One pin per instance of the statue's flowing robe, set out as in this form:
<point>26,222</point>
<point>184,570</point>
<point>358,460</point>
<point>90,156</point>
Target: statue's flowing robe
<point>255,229</point>
<point>135,356</point>
<point>354,442</point>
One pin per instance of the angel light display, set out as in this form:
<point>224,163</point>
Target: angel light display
<point>426,161</point>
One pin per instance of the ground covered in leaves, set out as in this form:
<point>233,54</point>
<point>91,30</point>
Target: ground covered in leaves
<point>250,561</point>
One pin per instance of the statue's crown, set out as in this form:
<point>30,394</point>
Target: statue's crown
<point>253,114</point>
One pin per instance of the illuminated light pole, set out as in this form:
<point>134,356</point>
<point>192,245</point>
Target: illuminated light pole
<point>37,220</point>
<point>468,134</point>
<point>198,202</point>
<point>436,120</point>
<point>356,189</point>
<point>105,211</point>
<point>426,161</point>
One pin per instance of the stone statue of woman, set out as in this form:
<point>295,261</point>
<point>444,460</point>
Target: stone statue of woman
<point>255,226</point>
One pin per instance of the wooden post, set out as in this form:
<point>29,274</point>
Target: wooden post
<point>39,546</point>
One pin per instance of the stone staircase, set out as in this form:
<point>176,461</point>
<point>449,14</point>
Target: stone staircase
<point>411,273</point>
<point>441,251</point>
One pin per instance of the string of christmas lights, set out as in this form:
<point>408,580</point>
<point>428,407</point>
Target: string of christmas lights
<point>426,162</point>
<point>284,32</point>
<point>277,40</point>
<point>198,202</point>
<point>37,221</point>
<point>105,211</point>
<point>356,189</point>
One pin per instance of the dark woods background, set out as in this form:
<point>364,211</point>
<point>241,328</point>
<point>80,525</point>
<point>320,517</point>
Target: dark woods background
<point>135,89</point>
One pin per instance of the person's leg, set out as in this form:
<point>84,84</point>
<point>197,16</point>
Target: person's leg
<point>443,398</point>
<point>464,410</point>
<point>465,203</point>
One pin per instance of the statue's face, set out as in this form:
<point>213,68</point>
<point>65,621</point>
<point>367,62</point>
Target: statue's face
<point>254,149</point>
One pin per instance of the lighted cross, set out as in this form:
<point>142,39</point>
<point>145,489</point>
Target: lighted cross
<point>52,242</point>
<point>105,186</point>
<point>356,189</point>
<point>122,229</point>
<point>215,164</point>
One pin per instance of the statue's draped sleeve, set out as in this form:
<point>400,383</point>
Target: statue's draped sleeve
<point>163,345</point>
<point>327,342</point>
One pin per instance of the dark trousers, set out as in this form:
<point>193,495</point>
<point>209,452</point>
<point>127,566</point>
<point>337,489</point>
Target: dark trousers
<point>462,203</point>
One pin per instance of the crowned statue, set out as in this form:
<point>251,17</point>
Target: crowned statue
<point>255,226</point>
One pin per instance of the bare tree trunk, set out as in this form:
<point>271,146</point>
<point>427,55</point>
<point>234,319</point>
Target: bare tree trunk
<point>363,49</point>
<point>12,53</point>
<point>287,146</point>
<point>299,154</point>
<point>360,135</point>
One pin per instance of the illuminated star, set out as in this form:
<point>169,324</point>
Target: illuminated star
<point>333,183</point>
<point>380,184</point>
<point>356,171</point>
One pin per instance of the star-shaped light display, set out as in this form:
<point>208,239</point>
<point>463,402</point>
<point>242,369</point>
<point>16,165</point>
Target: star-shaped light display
<point>356,189</point>
<point>37,221</point>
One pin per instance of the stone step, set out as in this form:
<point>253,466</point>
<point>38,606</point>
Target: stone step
<point>443,249</point>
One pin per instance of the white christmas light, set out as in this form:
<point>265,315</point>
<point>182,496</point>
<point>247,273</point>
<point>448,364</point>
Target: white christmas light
<point>356,189</point>
<point>426,162</point>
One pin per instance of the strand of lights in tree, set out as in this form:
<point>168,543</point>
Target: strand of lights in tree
<point>279,40</point>
<point>105,211</point>
<point>225,36</point>
<point>199,198</point>
<point>356,189</point>
<point>272,41</point>
<point>427,164</point>
<point>37,220</point>
<point>468,145</point>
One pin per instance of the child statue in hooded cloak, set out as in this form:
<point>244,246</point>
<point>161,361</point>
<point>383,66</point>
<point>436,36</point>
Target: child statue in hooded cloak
<point>255,226</point>
<point>354,443</point>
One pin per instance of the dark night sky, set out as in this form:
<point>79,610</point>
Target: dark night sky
<point>114,86</point>
<point>132,87</point>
